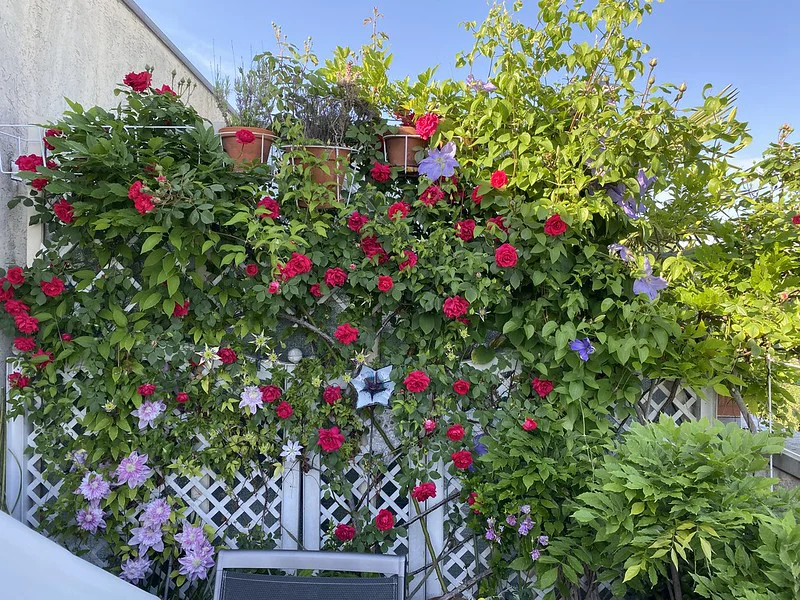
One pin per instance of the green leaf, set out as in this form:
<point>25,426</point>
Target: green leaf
<point>632,572</point>
<point>151,242</point>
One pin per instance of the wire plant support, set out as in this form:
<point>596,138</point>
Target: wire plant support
<point>17,136</point>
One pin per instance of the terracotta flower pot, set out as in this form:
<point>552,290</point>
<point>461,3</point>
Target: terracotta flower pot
<point>335,158</point>
<point>402,146</point>
<point>255,151</point>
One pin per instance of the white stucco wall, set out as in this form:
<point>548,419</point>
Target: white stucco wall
<point>79,49</point>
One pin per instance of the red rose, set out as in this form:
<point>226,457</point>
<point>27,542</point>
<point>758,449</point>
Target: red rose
<point>499,179</point>
<point>270,207</point>
<point>135,190</point>
<point>165,89</point>
<point>181,310</point>
<point>251,270</point>
<point>315,290</point>
<point>462,459</point>
<point>143,204</point>
<point>455,432</point>
<point>181,397</point>
<point>429,425</point>
<point>371,247</point>
<point>39,184</point>
<point>270,393</point>
<point>138,82</point>
<point>380,173</point>
<point>426,125</point>
<point>346,334</point>
<point>555,226</point>
<point>356,221</point>
<point>335,277</point>
<point>330,440</point>
<point>15,276</point>
<point>284,410</point>
<point>227,356</point>
<point>26,323</point>
<point>48,356</point>
<point>417,381</point>
<point>29,162</point>
<point>397,208</point>
<point>498,221</point>
<point>529,424</point>
<point>16,307</point>
<point>18,380</point>
<point>63,210</point>
<point>455,307</point>
<point>542,386</point>
<point>505,256</point>
<point>410,262</point>
<point>461,387</point>
<point>344,533</point>
<point>424,491</point>
<point>24,344</point>
<point>431,195</point>
<point>297,265</point>
<point>52,288</point>
<point>476,198</point>
<point>796,219</point>
<point>331,394</point>
<point>146,389</point>
<point>385,283</point>
<point>472,498</point>
<point>66,337</point>
<point>384,520</point>
<point>465,229</point>
<point>51,133</point>
<point>274,287</point>
<point>245,136</point>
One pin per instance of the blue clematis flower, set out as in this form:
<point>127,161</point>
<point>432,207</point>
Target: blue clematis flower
<point>479,447</point>
<point>649,284</point>
<point>622,250</point>
<point>373,387</point>
<point>583,347</point>
<point>439,162</point>
<point>632,208</point>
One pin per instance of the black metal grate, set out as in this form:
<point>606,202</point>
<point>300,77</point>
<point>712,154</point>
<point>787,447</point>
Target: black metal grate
<point>254,586</point>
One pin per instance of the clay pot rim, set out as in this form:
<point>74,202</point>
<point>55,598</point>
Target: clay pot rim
<point>293,146</point>
<point>224,132</point>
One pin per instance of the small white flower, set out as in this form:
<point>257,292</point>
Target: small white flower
<point>291,450</point>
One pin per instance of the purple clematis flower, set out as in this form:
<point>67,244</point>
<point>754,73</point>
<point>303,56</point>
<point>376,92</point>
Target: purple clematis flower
<point>133,470</point>
<point>439,162</point>
<point>511,520</point>
<point>535,554</point>
<point>479,86</point>
<point>544,540</point>
<point>147,537</point>
<point>148,412</point>
<point>622,250</point>
<point>156,513</point>
<point>645,182</point>
<point>93,487</point>
<point>583,347</point>
<point>196,563</point>
<point>135,569</point>
<point>619,194</point>
<point>480,448</point>
<point>649,284</point>
<point>525,509</point>
<point>526,526</point>
<point>191,538</point>
<point>90,519</point>
<point>251,399</point>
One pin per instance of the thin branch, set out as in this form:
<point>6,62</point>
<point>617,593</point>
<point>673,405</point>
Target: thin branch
<point>309,326</point>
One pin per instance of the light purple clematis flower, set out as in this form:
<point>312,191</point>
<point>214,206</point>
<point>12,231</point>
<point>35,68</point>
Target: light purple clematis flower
<point>479,86</point>
<point>623,251</point>
<point>544,540</point>
<point>619,194</point>
<point>90,519</point>
<point>511,520</point>
<point>156,513</point>
<point>191,538</point>
<point>93,487</point>
<point>645,182</point>
<point>147,537</point>
<point>649,284</point>
<point>133,470</point>
<point>583,347</point>
<point>251,399</point>
<point>535,554</point>
<point>439,162</point>
<point>525,527</point>
<point>135,569</point>
<point>195,564</point>
<point>148,412</point>
<point>525,509</point>
<point>491,534</point>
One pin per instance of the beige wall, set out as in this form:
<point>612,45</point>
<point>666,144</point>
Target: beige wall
<point>79,49</point>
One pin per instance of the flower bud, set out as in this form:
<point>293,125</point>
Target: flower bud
<point>653,62</point>
<point>682,87</point>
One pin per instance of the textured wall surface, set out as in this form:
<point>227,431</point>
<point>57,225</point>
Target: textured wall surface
<point>78,49</point>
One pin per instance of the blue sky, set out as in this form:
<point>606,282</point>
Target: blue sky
<point>745,43</point>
